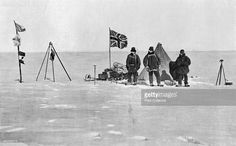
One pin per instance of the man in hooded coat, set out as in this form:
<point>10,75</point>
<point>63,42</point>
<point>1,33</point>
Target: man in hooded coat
<point>133,64</point>
<point>151,62</point>
<point>182,68</point>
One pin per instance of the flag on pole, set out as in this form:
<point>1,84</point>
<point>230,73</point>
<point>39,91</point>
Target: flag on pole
<point>17,42</point>
<point>19,28</point>
<point>22,54</point>
<point>118,40</point>
<point>21,61</point>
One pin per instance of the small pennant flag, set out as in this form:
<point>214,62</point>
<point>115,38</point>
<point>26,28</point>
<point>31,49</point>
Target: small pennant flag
<point>21,53</point>
<point>118,40</point>
<point>21,61</point>
<point>52,55</point>
<point>19,28</point>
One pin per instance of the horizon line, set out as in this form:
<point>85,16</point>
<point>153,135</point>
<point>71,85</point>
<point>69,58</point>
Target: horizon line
<point>120,51</point>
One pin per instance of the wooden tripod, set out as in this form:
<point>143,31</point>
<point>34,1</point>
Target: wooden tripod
<point>49,55</point>
<point>221,70</point>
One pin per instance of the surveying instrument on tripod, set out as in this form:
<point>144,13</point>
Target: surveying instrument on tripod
<point>220,72</point>
<point>51,54</point>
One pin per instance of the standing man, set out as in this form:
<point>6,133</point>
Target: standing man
<point>151,62</point>
<point>183,63</point>
<point>133,65</point>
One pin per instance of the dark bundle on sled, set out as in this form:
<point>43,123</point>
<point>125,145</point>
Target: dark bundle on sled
<point>117,72</point>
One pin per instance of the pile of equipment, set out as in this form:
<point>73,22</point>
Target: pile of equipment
<point>117,72</point>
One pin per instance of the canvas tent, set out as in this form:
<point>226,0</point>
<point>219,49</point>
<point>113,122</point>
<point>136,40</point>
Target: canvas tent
<point>165,59</point>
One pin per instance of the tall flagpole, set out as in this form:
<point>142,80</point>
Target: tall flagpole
<point>109,47</point>
<point>18,49</point>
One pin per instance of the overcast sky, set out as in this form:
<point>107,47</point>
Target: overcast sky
<point>82,25</point>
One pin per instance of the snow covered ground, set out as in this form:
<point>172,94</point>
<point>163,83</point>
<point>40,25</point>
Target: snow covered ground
<point>76,113</point>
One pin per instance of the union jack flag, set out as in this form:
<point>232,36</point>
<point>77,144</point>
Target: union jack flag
<point>118,40</point>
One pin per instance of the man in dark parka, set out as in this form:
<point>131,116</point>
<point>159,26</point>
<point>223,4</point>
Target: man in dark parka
<point>133,64</point>
<point>183,63</point>
<point>151,62</point>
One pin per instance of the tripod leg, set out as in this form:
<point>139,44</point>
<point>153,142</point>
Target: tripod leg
<point>61,62</point>
<point>220,74</point>
<point>45,75</point>
<point>53,72</point>
<point>218,77</point>
<point>42,64</point>
<point>223,73</point>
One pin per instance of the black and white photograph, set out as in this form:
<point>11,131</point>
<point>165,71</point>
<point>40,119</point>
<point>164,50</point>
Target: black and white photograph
<point>117,73</point>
